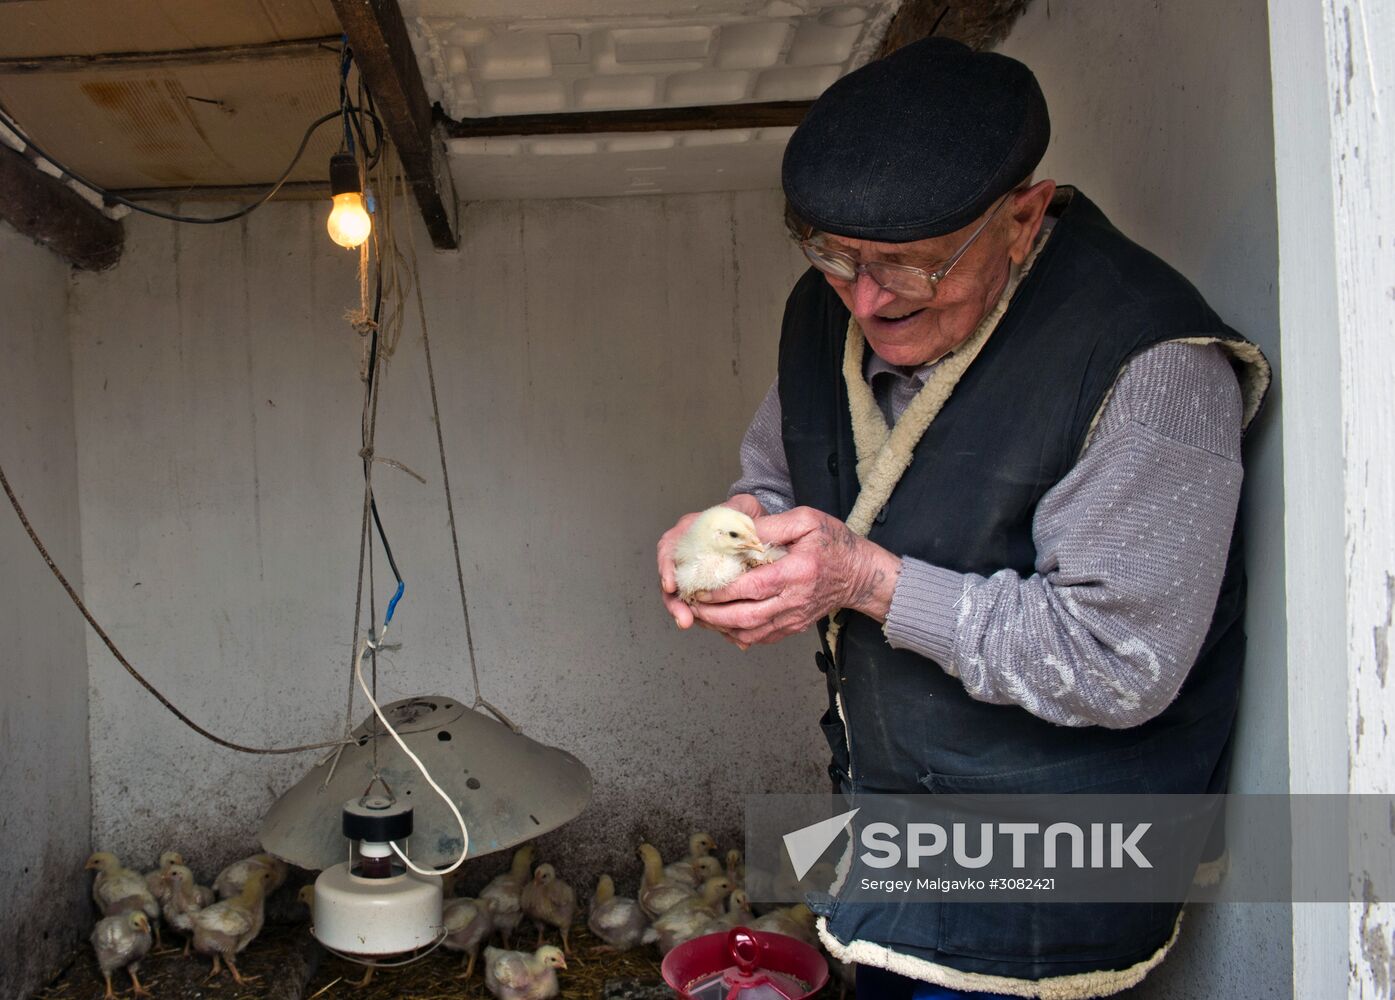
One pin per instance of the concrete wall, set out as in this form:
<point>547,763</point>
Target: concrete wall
<point>1160,112</point>
<point>44,784</point>
<point>598,362</point>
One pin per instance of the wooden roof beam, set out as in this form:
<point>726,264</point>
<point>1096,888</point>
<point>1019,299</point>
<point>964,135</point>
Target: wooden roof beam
<point>55,216</point>
<point>771,114</point>
<point>378,36</point>
<point>979,24</point>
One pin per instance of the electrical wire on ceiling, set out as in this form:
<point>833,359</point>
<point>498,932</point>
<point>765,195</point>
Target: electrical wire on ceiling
<point>352,115</point>
<point>395,279</point>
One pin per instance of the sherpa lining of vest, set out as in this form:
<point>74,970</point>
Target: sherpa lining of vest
<point>1253,374</point>
<point>884,454</point>
<point>1075,986</point>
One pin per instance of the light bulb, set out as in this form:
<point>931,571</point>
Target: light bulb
<point>349,223</point>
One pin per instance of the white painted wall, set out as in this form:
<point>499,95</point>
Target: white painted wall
<point>45,797</point>
<point>1160,113</point>
<point>598,363</point>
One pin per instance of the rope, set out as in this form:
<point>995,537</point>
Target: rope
<point>120,657</point>
<point>480,701</point>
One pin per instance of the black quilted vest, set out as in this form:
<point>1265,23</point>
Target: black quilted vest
<point>1013,427</point>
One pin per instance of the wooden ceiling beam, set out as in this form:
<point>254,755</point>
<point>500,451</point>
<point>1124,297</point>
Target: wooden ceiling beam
<point>54,215</point>
<point>384,55</point>
<point>772,114</point>
<point>979,24</point>
<point>172,59</point>
<point>915,20</point>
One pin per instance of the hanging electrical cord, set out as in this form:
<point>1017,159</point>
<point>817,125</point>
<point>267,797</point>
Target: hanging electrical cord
<point>121,658</point>
<point>197,220</point>
<point>366,644</point>
<point>352,115</point>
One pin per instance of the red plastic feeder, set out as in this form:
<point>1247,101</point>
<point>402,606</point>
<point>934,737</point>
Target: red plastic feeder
<point>745,965</point>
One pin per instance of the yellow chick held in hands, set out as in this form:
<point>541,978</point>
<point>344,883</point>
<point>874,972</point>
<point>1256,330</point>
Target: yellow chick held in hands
<point>720,546</point>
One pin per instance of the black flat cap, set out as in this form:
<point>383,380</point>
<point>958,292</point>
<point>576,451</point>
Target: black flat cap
<point>916,145</point>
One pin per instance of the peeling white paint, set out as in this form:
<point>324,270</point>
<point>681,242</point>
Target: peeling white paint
<point>1363,178</point>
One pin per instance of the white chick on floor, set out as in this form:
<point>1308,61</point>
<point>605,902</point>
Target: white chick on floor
<point>183,901</point>
<point>518,975</point>
<point>232,878</point>
<point>468,923</point>
<point>549,900</point>
<point>503,893</point>
<point>657,893</point>
<point>795,921</point>
<point>616,920</point>
<point>118,890</point>
<point>158,881</point>
<point>700,845</point>
<point>738,914</point>
<point>119,941</point>
<point>224,929</point>
<point>720,546</point>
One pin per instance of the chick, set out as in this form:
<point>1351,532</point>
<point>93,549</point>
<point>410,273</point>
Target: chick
<point>158,880</point>
<point>694,872</point>
<point>549,900</point>
<point>736,868</point>
<point>517,975</point>
<point>720,546</point>
<point>503,892</point>
<point>118,890</point>
<point>616,920</point>
<point>795,921</point>
<point>707,902</point>
<point>688,918</point>
<point>183,901</point>
<point>468,922</point>
<point>232,878</point>
<point>738,914</point>
<point>224,929</point>
<point>122,940</point>
<point>656,893</point>
<point>700,845</point>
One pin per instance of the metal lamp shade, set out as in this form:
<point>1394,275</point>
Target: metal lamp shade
<point>508,787</point>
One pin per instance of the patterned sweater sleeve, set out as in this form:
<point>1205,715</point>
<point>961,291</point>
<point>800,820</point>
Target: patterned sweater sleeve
<point>1131,547</point>
<point>765,471</point>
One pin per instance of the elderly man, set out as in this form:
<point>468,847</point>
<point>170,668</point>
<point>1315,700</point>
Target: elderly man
<point>1003,450</point>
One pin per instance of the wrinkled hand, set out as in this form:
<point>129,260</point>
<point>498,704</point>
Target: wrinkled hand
<point>668,586</point>
<point>827,567</point>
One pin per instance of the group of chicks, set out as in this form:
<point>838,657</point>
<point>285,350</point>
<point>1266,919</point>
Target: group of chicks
<point>675,903</point>
<point>219,922</point>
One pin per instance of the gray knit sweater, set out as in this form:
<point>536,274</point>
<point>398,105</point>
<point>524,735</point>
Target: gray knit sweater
<point>1131,546</point>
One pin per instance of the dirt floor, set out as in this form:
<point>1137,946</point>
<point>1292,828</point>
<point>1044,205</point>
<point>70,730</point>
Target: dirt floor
<point>292,967</point>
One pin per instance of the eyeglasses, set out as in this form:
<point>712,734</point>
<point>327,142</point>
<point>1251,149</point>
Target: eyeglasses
<point>902,280</point>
